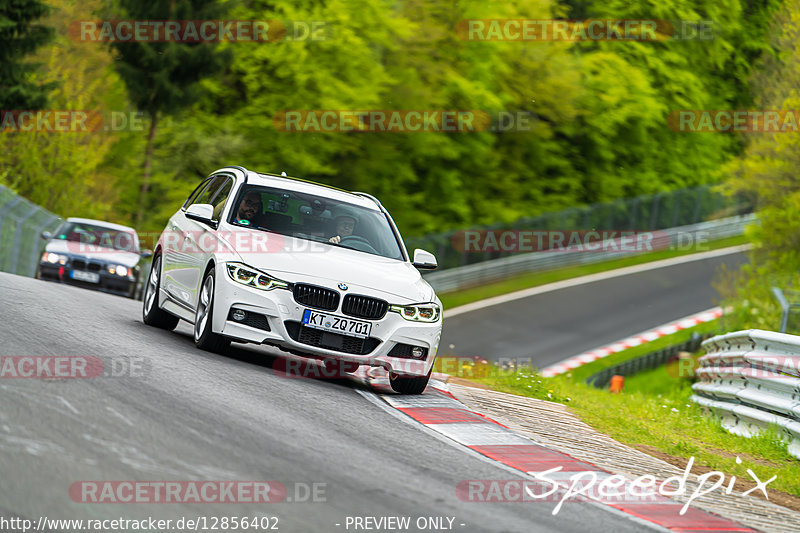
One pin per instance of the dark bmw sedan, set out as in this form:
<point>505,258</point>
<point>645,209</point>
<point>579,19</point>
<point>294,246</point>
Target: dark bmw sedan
<point>95,255</point>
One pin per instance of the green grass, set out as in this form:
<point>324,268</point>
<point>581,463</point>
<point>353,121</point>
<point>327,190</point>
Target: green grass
<point>534,279</point>
<point>665,420</point>
<point>655,411</point>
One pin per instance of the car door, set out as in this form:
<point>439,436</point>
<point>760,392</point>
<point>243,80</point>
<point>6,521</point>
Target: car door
<point>202,237</point>
<point>181,254</point>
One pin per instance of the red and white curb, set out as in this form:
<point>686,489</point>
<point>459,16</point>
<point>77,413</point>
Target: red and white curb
<point>440,412</point>
<point>630,342</point>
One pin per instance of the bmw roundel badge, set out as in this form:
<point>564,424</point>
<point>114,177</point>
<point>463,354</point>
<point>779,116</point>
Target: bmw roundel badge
<point>343,286</point>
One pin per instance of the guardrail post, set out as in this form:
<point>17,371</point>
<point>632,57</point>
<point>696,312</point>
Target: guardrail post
<point>784,308</point>
<point>37,249</point>
<point>18,238</point>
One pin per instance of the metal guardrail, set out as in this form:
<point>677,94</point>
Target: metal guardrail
<point>651,212</point>
<point>751,380</point>
<point>786,305</point>
<point>648,361</point>
<point>497,269</point>
<point>21,224</point>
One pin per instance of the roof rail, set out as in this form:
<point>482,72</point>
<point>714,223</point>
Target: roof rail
<point>302,180</point>
<point>371,198</point>
<point>244,171</point>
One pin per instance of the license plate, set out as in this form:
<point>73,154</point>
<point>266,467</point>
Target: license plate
<point>336,324</point>
<point>91,277</point>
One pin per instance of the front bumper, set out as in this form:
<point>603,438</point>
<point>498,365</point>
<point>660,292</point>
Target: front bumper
<point>110,283</point>
<point>274,317</point>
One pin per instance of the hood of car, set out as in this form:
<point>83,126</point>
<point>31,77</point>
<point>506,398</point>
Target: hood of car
<point>93,253</point>
<point>363,273</point>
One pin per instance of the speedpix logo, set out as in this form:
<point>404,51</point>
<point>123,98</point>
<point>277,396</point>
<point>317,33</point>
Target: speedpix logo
<point>553,485</point>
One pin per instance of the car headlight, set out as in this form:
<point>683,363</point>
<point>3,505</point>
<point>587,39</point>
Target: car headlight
<point>119,270</point>
<point>428,312</point>
<point>50,257</point>
<point>252,277</point>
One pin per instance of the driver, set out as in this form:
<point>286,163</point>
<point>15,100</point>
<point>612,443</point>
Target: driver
<point>249,210</point>
<point>345,224</point>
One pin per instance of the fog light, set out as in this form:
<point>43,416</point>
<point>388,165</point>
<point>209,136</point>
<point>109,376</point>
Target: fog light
<point>238,315</point>
<point>417,352</point>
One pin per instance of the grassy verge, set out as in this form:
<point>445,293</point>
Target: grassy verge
<point>655,413</point>
<point>534,279</point>
<point>584,371</point>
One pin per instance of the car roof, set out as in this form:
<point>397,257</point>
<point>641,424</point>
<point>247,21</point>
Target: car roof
<point>103,223</point>
<point>309,187</point>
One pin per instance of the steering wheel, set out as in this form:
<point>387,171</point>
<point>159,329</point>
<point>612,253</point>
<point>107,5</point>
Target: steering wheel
<point>357,242</point>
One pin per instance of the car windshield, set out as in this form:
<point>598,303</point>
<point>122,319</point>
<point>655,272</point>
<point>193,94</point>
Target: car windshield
<point>315,218</point>
<point>98,236</point>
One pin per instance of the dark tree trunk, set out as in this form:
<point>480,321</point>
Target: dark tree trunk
<point>148,161</point>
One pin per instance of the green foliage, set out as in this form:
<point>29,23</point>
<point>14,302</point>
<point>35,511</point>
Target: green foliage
<point>61,170</point>
<point>162,77</point>
<point>652,417</point>
<point>20,36</point>
<point>599,131</point>
<point>768,172</point>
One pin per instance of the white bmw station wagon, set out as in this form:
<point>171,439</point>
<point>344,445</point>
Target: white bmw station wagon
<point>313,270</point>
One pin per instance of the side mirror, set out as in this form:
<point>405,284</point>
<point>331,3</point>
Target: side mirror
<point>424,260</point>
<point>46,235</point>
<point>146,253</point>
<point>202,213</point>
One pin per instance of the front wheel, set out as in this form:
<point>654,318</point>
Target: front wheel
<point>204,338</point>
<point>152,315</point>
<point>409,384</point>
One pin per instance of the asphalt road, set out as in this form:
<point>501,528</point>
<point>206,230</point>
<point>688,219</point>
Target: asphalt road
<point>552,326</point>
<point>191,415</point>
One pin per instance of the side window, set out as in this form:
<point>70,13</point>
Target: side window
<point>189,201</point>
<point>208,193</point>
<point>218,201</point>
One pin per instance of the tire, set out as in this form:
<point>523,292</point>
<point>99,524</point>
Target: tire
<point>204,337</point>
<point>152,315</point>
<point>409,384</point>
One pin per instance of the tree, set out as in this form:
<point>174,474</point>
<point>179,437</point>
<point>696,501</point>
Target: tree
<point>767,172</point>
<point>19,37</point>
<point>162,77</point>
<point>60,170</point>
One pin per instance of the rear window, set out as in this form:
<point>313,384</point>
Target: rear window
<point>99,236</point>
